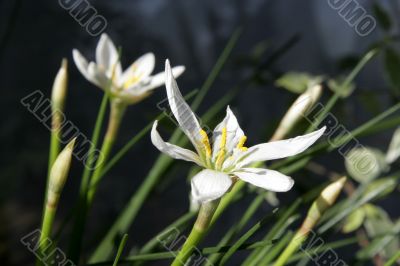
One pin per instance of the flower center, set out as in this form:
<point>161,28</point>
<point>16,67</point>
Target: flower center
<point>133,79</point>
<point>216,162</point>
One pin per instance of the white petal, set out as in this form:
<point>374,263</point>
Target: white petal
<point>138,70</point>
<point>173,151</point>
<point>98,76</point>
<point>184,115</point>
<point>83,67</point>
<point>107,56</point>
<point>209,185</point>
<point>234,132</point>
<point>157,80</point>
<point>279,149</point>
<point>265,178</point>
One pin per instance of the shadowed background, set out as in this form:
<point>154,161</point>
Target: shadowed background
<point>36,35</point>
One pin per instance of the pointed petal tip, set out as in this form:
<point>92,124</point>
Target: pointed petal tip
<point>167,64</point>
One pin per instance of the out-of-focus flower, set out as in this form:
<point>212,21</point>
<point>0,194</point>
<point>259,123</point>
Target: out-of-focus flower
<point>225,159</point>
<point>129,86</point>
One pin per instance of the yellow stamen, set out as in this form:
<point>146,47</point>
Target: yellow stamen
<point>206,143</point>
<point>133,79</point>
<point>241,143</point>
<point>221,152</point>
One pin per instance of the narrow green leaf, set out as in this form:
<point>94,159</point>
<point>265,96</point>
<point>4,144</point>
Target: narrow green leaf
<point>120,249</point>
<point>278,248</point>
<point>393,152</point>
<point>243,239</point>
<point>392,67</point>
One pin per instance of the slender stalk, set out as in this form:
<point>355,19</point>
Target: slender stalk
<point>78,227</point>
<point>168,254</point>
<point>47,225</point>
<point>199,230</point>
<point>116,113</point>
<point>120,249</point>
<point>392,260</point>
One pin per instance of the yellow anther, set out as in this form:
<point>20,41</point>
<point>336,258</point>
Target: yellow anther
<point>221,152</point>
<point>206,143</point>
<point>134,78</point>
<point>131,81</point>
<point>241,143</point>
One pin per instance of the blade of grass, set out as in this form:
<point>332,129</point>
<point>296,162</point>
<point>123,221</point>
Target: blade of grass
<point>323,248</point>
<point>81,213</point>
<point>393,260</point>
<point>171,254</point>
<point>343,213</point>
<point>277,229</point>
<point>259,199</point>
<point>179,224</point>
<point>271,255</point>
<point>349,78</point>
<point>120,249</point>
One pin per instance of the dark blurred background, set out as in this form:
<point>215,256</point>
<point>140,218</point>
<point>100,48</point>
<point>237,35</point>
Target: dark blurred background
<point>36,35</point>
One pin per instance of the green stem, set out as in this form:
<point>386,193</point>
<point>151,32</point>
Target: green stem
<point>89,185</point>
<point>392,260</point>
<point>291,248</point>
<point>199,230</point>
<point>47,224</point>
<point>116,113</point>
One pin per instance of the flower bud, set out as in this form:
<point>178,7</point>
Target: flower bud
<point>59,90</point>
<point>298,110</point>
<point>325,200</point>
<point>59,173</point>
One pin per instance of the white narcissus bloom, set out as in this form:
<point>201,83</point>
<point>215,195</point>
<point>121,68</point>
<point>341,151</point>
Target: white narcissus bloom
<point>131,85</point>
<point>225,158</point>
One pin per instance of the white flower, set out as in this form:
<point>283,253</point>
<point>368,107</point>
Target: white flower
<point>225,158</point>
<point>129,86</point>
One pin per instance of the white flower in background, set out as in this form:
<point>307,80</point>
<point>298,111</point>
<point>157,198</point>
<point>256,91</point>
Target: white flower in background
<point>226,158</point>
<point>130,86</point>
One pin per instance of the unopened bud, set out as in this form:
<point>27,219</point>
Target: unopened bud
<point>298,110</point>
<point>59,90</point>
<point>325,200</point>
<point>59,173</point>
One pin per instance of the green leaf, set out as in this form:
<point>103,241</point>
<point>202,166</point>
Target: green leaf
<point>367,196</point>
<point>385,237</point>
<point>387,182</point>
<point>392,67</point>
<point>339,86</point>
<point>296,82</point>
<point>382,16</point>
<point>393,152</point>
<point>120,249</point>
<point>354,221</point>
<point>365,164</point>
